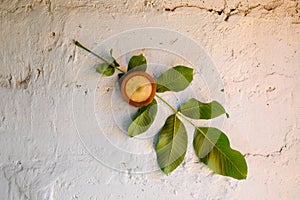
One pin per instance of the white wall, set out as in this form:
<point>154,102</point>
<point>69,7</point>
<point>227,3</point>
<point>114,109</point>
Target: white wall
<point>256,52</point>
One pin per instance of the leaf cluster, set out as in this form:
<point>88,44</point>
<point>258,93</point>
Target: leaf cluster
<point>211,145</point>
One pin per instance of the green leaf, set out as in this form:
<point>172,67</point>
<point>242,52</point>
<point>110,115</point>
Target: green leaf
<point>197,110</point>
<point>174,79</point>
<point>137,63</point>
<point>105,69</point>
<point>213,149</point>
<point>143,119</point>
<point>114,63</point>
<point>172,144</point>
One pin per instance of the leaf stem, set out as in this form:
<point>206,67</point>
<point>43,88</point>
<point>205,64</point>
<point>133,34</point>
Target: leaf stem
<point>121,70</point>
<point>101,58</point>
<point>170,106</point>
<point>175,110</point>
<point>83,47</point>
<point>187,119</point>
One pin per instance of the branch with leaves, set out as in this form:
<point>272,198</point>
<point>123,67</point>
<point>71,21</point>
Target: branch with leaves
<point>211,145</point>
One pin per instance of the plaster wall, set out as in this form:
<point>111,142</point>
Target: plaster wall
<point>255,47</point>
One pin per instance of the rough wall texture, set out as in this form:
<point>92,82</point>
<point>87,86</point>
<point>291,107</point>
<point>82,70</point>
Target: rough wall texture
<point>255,46</point>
